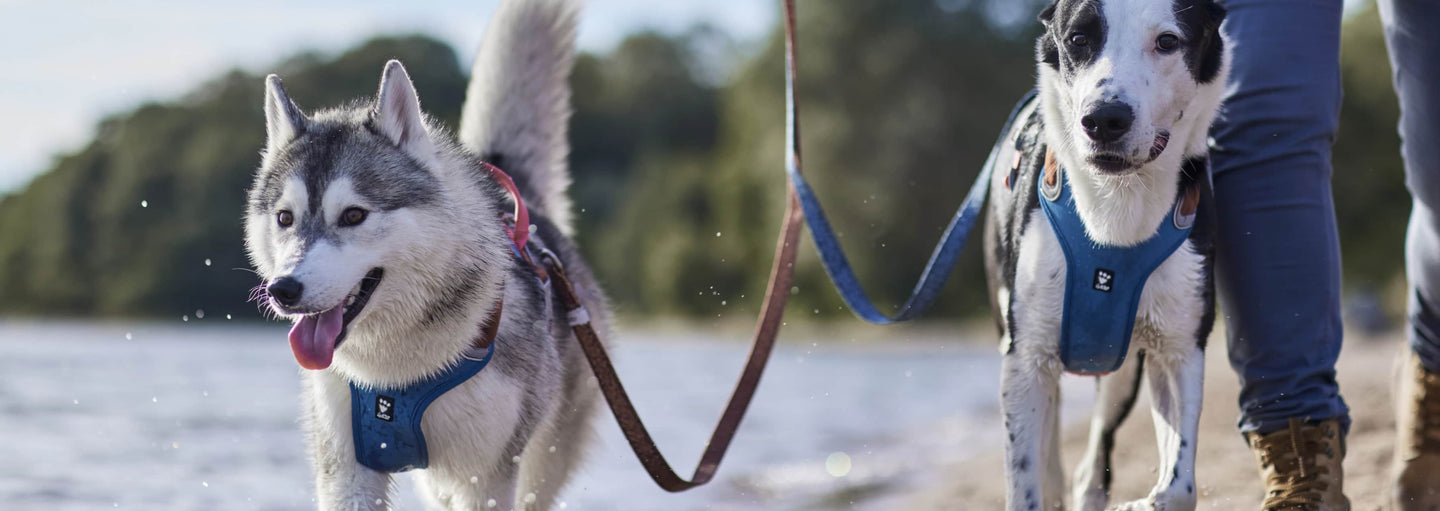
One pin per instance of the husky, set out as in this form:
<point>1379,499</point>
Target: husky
<point>1119,80</point>
<point>381,237</point>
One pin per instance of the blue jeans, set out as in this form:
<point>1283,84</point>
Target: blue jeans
<point>1415,56</point>
<point>1279,256</point>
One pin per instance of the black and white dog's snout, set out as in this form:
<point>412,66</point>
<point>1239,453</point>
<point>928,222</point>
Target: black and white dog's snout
<point>286,291</point>
<point>1108,121</point>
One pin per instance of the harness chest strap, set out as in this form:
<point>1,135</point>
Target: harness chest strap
<point>385,423</point>
<point>1103,283</point>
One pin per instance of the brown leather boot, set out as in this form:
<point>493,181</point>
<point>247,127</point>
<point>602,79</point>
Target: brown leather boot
<point>1417,443</point>
<point>1301,467</point>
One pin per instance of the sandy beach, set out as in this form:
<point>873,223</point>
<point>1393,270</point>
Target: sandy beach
<point>1228,477</point>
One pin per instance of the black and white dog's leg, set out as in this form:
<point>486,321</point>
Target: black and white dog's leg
<point>1054,470</point>
<point>1113,401</point>
<point>1176,393</point>
<point>1029,395</point>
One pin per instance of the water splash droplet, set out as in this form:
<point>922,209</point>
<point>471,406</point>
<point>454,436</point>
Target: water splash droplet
<point>837,464</point>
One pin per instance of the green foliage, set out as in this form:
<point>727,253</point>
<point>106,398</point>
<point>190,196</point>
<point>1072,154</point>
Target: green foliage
<point>679,182</point>
<point>900,103</point>
<point>78,241</point>
<point>1371,203</point>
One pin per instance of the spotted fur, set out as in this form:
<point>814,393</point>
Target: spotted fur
<point>1098,54</point>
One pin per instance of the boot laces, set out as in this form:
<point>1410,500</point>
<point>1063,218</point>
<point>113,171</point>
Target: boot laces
<point>1298,483</point>
<point>1428,403</point>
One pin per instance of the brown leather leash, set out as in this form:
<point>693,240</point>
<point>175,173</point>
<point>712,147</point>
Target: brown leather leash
<point>777,293</point>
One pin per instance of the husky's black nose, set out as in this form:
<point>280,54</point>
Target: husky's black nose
<point>1108,121</point>
<point>286,291</point>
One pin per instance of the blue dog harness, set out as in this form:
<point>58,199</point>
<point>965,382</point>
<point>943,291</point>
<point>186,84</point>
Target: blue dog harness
<point>1103,282</point>
<point>386,422</point>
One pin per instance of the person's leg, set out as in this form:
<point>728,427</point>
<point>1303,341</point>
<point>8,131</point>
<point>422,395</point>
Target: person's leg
<point>1278,251</point>
<point>1415,59</point>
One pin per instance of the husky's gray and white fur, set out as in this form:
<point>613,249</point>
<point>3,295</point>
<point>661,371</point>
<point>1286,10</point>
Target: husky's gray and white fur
<point>382,237</point>
<point>1119,81</point>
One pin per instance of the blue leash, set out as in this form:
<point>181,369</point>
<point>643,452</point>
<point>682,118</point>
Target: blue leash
<point>942,260</point>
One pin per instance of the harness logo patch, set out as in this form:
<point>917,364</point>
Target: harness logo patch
<point>1104,280</point>
<point>384,408</point>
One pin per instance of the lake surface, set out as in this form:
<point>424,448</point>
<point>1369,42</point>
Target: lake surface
<point>203,415</point>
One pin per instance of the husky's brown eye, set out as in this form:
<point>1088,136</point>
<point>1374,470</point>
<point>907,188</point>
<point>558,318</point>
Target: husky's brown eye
<point>285,218</point>
<point>1078,39</point>
<point>1167,43</point>
<point>352,216</point>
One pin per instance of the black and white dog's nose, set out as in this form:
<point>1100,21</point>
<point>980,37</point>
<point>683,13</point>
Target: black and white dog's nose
<point>1108,121</point>
<point>286,291</point>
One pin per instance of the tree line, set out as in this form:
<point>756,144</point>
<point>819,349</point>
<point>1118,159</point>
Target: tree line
<point>677,158</point>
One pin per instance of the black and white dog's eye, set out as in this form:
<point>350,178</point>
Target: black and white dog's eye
<point>1078,39</point>
<point>1167,43</point>
<point>285,218</point>
<point>352,216</point>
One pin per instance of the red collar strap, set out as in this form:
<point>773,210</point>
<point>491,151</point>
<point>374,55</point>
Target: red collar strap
<point>520,234</point>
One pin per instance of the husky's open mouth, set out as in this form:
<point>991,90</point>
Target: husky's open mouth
<point>315,337</point>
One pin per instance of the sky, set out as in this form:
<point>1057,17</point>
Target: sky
<point>67,64</point>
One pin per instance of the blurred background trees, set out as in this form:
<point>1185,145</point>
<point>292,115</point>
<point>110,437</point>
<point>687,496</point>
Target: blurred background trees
<point>677,160</point>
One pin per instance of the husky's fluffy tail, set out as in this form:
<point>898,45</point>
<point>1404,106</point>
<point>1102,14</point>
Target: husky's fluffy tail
<point>517,107</point>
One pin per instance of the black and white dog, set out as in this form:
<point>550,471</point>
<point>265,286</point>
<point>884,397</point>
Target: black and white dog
<point>1128,90</point>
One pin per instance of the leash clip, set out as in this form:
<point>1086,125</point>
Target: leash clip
<point>549,258</point>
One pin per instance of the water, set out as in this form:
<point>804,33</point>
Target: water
<point>202,415</point>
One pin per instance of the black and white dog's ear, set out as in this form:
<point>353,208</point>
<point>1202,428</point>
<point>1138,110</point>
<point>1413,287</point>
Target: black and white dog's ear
<point>1212,45</point>
<point>397,110</point>
<point>1217,13</point>
<point>1048,14</point>
<point>1045,49</point>
<point>283,120</point>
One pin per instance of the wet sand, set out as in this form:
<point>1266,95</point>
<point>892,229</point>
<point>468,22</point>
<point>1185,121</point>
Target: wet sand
<point>1227,473</point>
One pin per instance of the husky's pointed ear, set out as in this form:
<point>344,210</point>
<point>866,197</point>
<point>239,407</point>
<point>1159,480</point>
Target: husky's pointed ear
<point>283,120</point>
<point>397,110</point>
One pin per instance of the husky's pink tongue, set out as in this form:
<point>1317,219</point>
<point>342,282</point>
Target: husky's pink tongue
<point>313,338</point>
